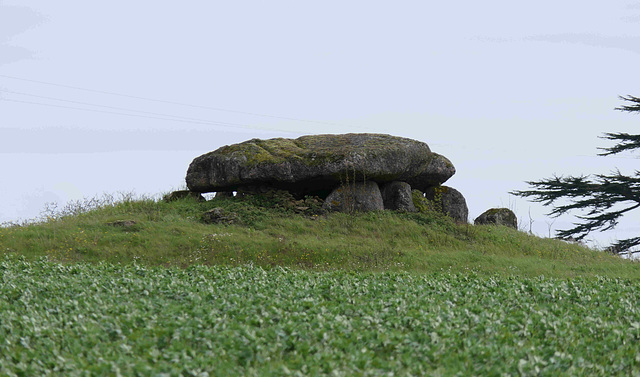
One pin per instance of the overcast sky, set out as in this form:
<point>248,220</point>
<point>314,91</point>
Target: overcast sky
<point>121,96</point>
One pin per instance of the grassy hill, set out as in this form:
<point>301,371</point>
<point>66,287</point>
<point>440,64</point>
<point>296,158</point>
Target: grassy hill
<point>143,287</point>
<point>275,231</point>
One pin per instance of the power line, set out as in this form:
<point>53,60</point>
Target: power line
<point>125,114</point>
<point>171,102</point>
<point>204,121</point>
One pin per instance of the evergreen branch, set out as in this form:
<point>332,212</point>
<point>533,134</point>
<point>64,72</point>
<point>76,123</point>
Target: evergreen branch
<point>623,246</point>
<point>635,104</point>
<point>627,142</point>
<point>547,191</point>
<point>596,195</point>
<point>604,221</point>
<point>611,218</point>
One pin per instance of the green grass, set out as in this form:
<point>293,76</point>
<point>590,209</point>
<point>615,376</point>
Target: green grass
<point>289,291</point>
<point>271,233</point>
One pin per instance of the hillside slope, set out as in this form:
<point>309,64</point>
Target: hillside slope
<point>272,231</point>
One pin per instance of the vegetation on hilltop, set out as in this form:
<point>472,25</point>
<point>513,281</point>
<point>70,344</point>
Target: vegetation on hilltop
<point>272,231</point>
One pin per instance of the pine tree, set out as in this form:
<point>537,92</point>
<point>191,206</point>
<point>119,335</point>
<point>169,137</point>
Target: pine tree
<point>603,199</point>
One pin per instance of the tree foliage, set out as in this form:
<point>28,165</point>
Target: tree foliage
<point>601,199</point>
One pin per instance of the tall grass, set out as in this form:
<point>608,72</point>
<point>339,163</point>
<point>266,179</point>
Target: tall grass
<point>269,233</point>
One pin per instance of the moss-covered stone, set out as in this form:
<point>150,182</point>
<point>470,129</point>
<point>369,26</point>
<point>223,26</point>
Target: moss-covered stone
<point>182,194</point>
<point>498,216</point>
<point>258,151</point>
<point>449,201</point>
<point>420,202</point>
<point>318,162</point>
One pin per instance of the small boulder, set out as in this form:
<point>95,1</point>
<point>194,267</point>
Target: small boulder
<point>182,194</point>
<point>498,216</point>
<point>353,197</point>
<point>125,224</point>
<point>396,196</point>
<point>224,194</point>
<point>449,201</point>
<point>219,216</point>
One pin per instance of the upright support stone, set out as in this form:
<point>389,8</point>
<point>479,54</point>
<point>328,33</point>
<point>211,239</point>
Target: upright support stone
<point>352,197</point>
<point>396,196</point>
<point>450,202</point>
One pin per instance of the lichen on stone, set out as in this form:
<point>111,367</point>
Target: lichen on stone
<point>421,203</point>
<point>259,151</point>
<point>318,162</point>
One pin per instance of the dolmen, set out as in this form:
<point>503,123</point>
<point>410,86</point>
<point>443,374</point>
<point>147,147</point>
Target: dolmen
<point>361,172</point>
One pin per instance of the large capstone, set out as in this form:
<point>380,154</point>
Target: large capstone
<point>317,164</point>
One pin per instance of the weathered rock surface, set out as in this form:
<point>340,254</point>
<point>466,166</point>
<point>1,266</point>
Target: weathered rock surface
<point>355,197</point>
<point>219,216</point>
<point>420,202</point>
<point>126,224</point>
<point>316,163</point>
<point>498,216</point>
<point>448,201</point>
<point>396,196</point>
<point>182,194</point>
